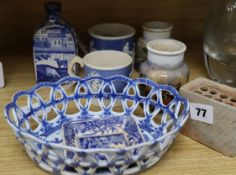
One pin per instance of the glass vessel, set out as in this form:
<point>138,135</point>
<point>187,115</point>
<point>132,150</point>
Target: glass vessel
<point>54,45</point>
<point>220,42</point>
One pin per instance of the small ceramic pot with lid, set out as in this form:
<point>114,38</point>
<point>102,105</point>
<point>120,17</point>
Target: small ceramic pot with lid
<point>165,63</point>
<point>151,30</point>
<point>156,30</point>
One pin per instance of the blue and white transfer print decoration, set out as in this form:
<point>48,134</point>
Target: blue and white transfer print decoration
<point>93,72</point>
<point>54,45</point>
<point>125,45</point>
<point>112,36</point>
<point>102,141</point>
<point>107,129</point>
<point>42,135</point>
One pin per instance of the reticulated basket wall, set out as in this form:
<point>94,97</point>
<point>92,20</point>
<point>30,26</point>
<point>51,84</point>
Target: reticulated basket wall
<point>36,117</point>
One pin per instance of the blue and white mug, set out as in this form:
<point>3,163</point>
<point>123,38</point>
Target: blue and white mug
<point>112,36</point>
<point>104,63</point>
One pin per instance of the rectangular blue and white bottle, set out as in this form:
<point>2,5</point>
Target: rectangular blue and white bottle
<point>54,45</point>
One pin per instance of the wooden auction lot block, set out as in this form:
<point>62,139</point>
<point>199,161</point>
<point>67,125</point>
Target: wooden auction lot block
<point>221,135</point>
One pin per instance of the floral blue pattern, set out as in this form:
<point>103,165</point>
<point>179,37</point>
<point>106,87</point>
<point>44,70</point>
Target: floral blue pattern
<point>37,123</point>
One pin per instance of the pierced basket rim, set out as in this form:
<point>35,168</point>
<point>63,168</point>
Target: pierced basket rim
<point>19,131</point>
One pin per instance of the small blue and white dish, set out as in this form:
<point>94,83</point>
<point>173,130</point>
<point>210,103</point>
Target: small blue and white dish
<point>36,117</point>
<point>116,140</point>
<point>118,126</point>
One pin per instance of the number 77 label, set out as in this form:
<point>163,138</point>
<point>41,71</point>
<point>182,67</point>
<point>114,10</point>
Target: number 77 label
<point>201,112</point>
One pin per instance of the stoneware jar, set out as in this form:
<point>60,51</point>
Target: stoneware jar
<point>165,63</point>
<point>151,30</point>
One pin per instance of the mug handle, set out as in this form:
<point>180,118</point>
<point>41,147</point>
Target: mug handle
<point>75,60</point>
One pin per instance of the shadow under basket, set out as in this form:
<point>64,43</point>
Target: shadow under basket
<point>36,117</point>
<point>221,134</point>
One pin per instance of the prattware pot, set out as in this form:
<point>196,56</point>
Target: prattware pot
<point>165,63</point>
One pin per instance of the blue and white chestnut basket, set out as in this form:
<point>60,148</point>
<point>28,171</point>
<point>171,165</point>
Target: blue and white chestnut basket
<point>36,117</point>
